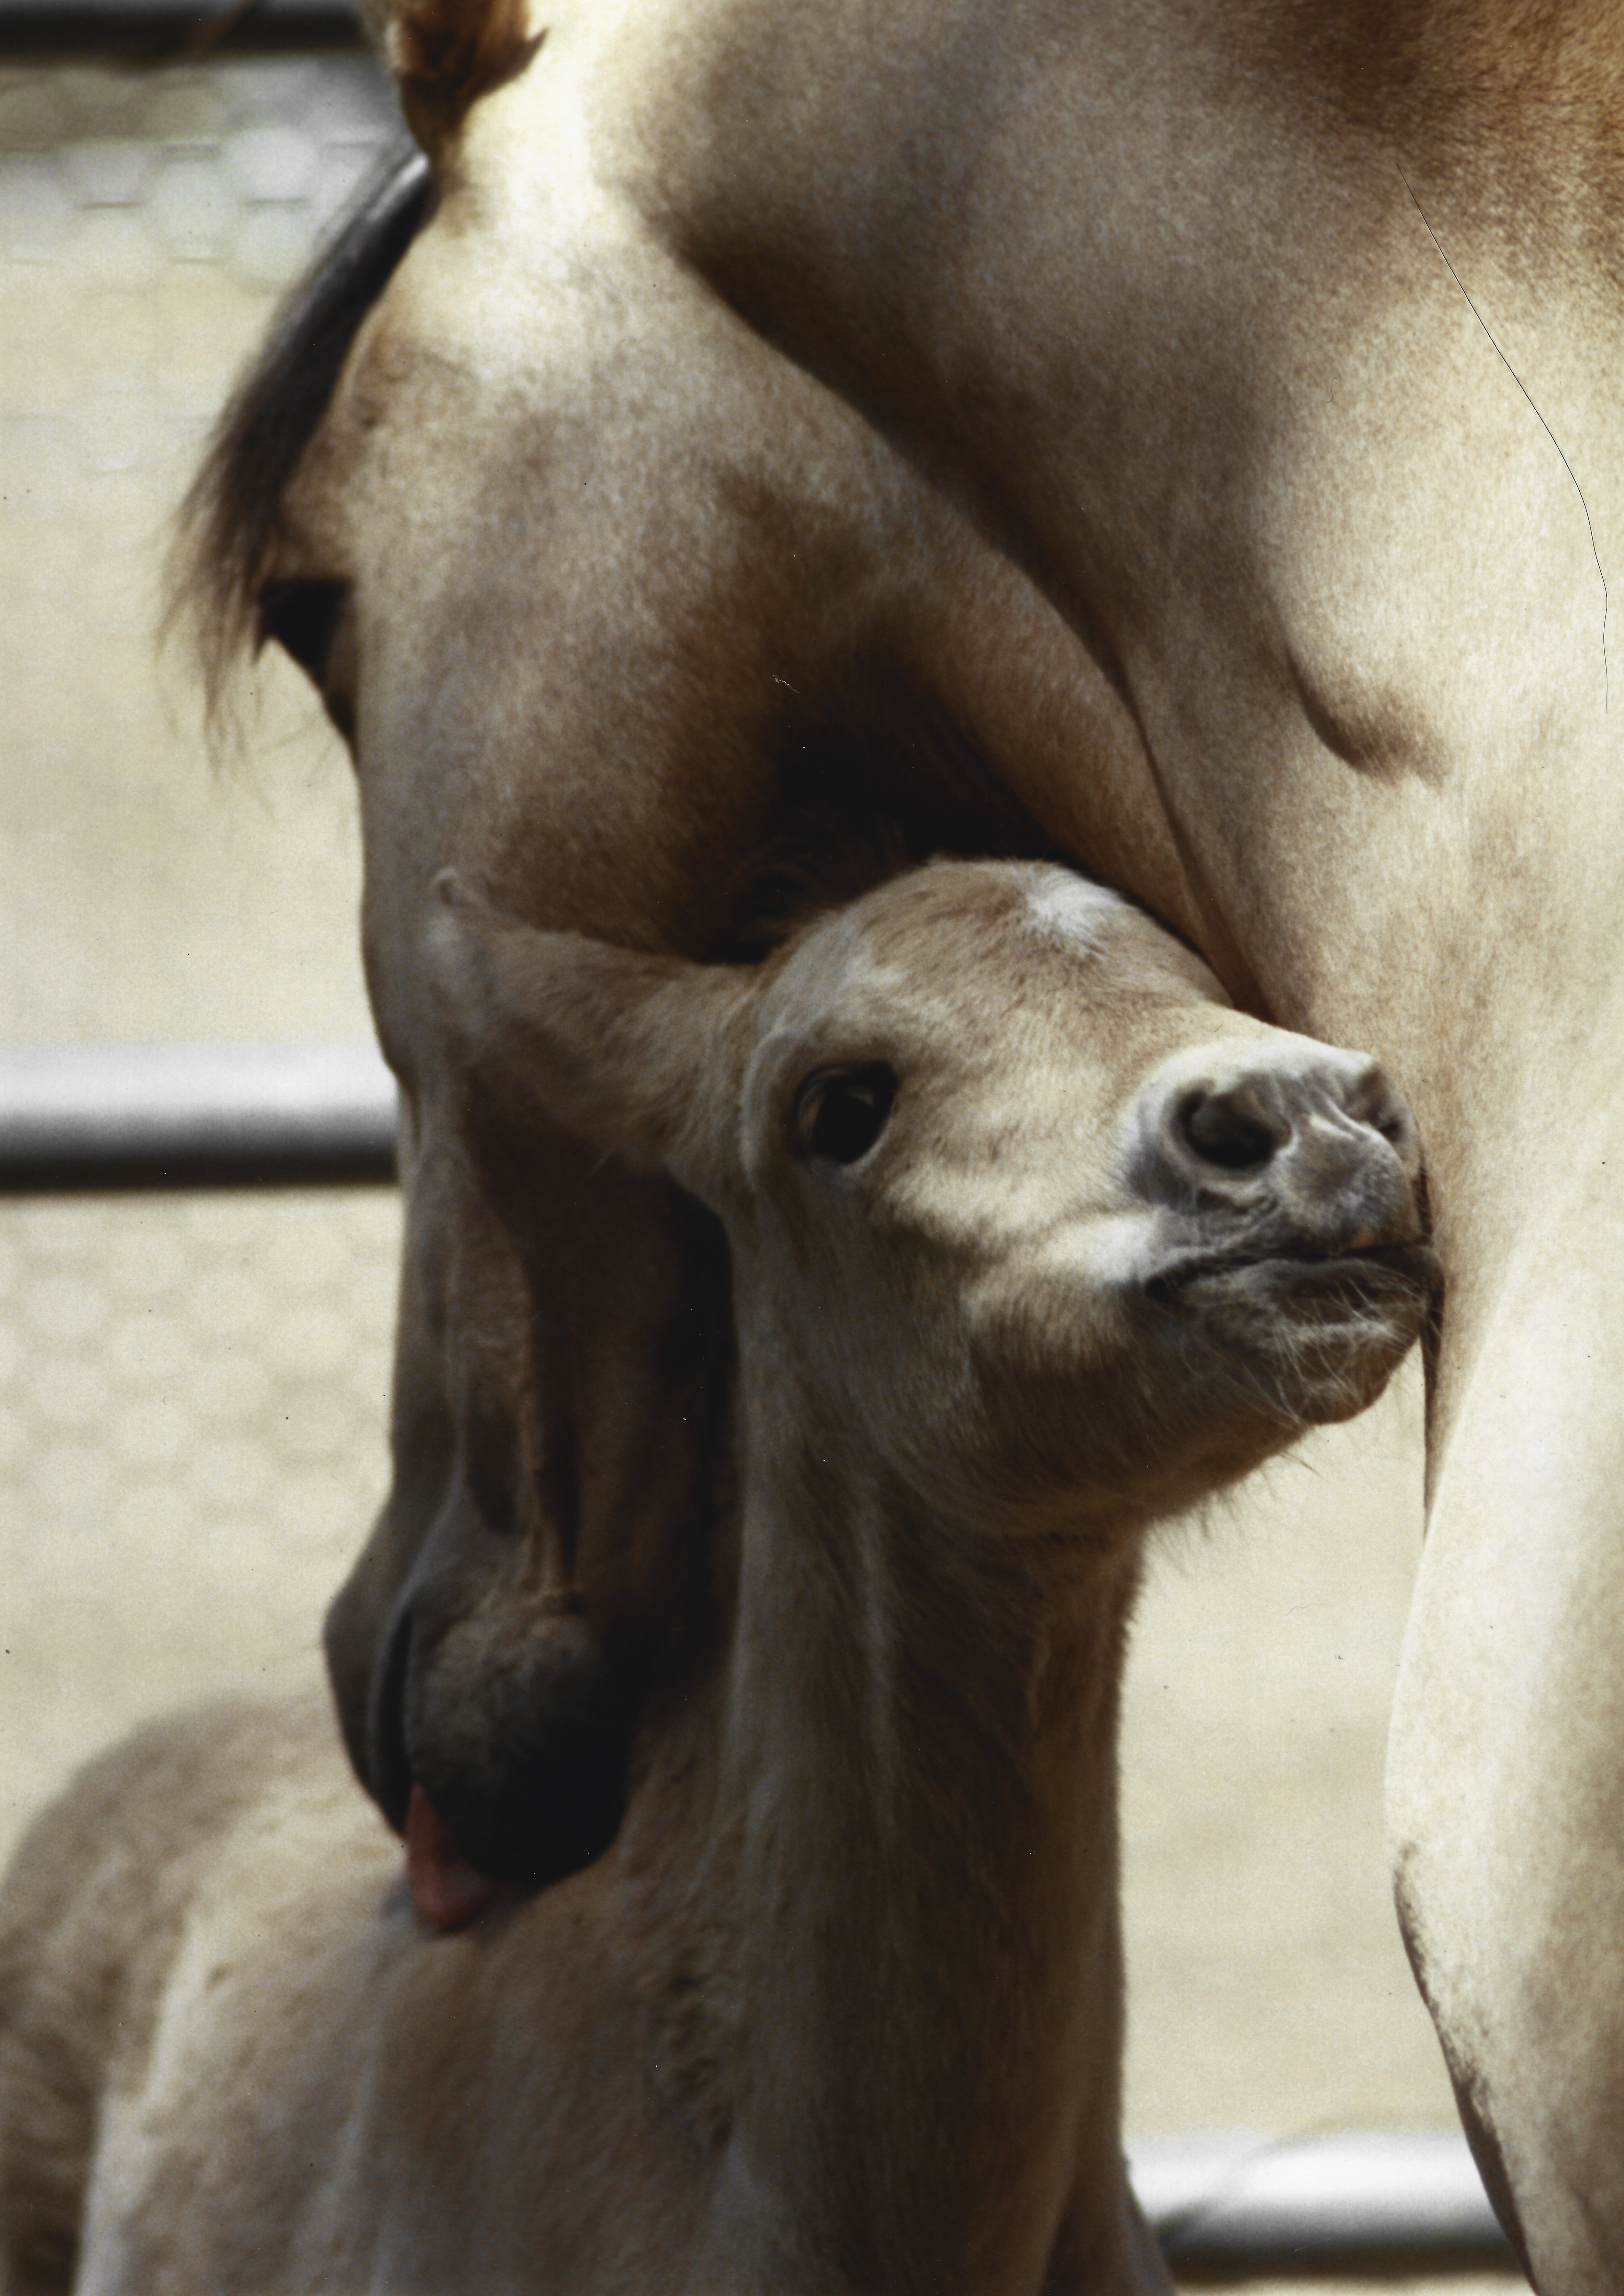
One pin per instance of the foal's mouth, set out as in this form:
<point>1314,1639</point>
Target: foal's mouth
<point>1374,1274</point>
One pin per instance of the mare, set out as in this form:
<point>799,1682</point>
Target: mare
<point>1033,1239</point>
<point>1183,438</point>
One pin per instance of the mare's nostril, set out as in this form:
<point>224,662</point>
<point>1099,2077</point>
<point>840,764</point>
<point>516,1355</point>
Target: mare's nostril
<point>1223,1130</point>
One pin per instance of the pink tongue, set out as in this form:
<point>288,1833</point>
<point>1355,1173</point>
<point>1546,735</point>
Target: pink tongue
<point>445,1888</point>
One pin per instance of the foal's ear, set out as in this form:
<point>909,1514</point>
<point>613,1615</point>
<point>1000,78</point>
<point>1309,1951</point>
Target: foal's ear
<point>447,53</point>
<point>638,1056</point>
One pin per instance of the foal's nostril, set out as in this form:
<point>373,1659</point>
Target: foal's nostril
<point>1223,1130</point>
<point>1380,1105</point>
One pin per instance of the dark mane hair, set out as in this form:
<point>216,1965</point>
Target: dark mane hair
<point>228,520</point>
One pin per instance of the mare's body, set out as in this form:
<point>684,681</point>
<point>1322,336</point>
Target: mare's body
<point>1046,428</point>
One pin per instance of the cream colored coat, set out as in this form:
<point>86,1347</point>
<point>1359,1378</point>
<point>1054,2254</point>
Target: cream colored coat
<point>1187,433</point>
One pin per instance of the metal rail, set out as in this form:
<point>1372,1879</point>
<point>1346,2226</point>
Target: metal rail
<point>159,32</point>
<point>1381,2202</point>
<point>177,1116</point>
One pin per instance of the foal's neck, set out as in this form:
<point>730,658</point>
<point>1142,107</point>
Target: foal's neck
<point>915,2002</point>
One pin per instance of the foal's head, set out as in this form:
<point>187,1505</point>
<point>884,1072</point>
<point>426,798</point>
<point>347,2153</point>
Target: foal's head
<point>1017,1204</point>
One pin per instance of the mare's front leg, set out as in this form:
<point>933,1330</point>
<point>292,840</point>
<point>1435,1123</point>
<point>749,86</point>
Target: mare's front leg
<point>1506,1771</point>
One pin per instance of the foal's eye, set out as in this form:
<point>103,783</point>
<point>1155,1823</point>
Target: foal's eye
<point>841,1117</point>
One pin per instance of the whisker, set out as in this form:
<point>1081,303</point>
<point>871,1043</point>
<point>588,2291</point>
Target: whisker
<point>1544,426</point>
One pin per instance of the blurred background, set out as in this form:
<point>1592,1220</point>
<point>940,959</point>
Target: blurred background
<point>193,1385</point>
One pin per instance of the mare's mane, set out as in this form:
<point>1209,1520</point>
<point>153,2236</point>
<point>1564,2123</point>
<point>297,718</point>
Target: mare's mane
<point>229,517</point>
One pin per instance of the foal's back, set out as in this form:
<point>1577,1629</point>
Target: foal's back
<point>211,1980</point>
<point>104,1895</point>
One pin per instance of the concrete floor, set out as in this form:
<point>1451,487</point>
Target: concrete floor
<point>191,1390</point>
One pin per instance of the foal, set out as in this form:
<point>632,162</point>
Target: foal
<point>1033,1239</point>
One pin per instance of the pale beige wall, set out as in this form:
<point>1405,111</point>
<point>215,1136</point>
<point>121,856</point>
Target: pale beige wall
<point>191,1389</point>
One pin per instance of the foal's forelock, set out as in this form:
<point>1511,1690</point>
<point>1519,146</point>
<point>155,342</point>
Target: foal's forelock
<point>228,520</point>
<point>1072,909</point>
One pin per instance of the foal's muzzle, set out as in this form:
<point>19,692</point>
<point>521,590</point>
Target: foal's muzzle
<point>1292,1149</point>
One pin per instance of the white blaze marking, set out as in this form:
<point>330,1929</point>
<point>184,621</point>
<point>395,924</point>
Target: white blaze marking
<point>1064,908</point>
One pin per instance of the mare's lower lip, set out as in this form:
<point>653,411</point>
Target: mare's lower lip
<point>446,1890</point>
<point>1377,1269</point>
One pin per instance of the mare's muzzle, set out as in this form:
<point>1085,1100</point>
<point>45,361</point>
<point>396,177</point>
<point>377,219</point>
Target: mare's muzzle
<point>516,1719</point>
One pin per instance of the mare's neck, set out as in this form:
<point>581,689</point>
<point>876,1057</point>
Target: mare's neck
<point>908,1880</point>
